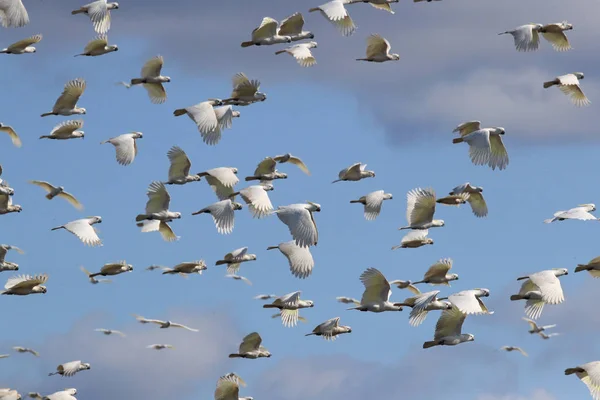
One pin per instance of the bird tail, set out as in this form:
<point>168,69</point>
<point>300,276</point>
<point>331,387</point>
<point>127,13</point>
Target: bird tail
<point>353,308</point>
<point>458,140</point>
<point>571,371</point>
<point>136,81</point>
<point>432,343</point>
<point>252,178</point>
<point>269,306</point>
<point>247,44</point>
<point>53,373</point>
<point>581,267</point>
<point>141,217</point>
<point>337,180</point>
<point>549,220</point>
<point>280,51</point>
<point>4,51</point>
<point>46,114</point>
<point>3,292</point>
<point>314,9</point>
<point>308,334</point>
<point>503,33</point>
<point>221,262</point>
<point>168,271</point>
<point>235,356</point>
<point>80,11</point>
<point>204,210</point>
<point>362,59</point>
<point>179,112</point>
<point>44,136</point>
<point>58,227</point>
<point>272,247</point>
<point>516,297</point>
<point>550,83</point>
<point>77,55</point>
<point>415,283</point>
<point>354,201</point>
<point>49,196</point>
<point>396,247</point>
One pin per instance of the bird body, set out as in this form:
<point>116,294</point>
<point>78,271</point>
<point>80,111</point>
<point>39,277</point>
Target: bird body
<point>70,368</point>
<point>163,324</point>
<point>448,329</point>
<point>98,47</point>
<point>66,130</point>
<point>13,14</point>
<point>485,144</point>
<point>234,258</point>
<point>593,267</point>
<point>20,349</point>
<point>23,46</point>
<point>251,348</point>
<point>301,52</point>
<point>540,288</point>
<point>555,34</point>
<point>112,269</point>
<point>414,239</point>
<point>420,208</point>
<point>589,374</point>
<point>299,258</point>
<point>125,146</point>
<point>179,169</point>
<point>300,222</point>
<point>372,203</point>
<point>377,293</point>
<point>378,50</point>
<point>267,33</point>
<point>289,158</point>
<point>157,213</point>
<point>99,13</point>
<point>221,180</point>
<point>53,191</point>
<point>160,346</point>
<point>66,104</point>
<point>288,306</point>
<point>438,274</point>
<point>185,268</point>
<point>535,328</point>
<point>354,173</point>
<point>475,198</point>
<point>108,332</point>
<point>513,348</point>
<point>581,212</point>
<point>526,37</point>
<point>84,230</point>
<point>335,12</point>
<point>330,329</point>
<point>257,199</point>
<point>152,80</point>
<point>245,91</point>
<point>569,85</point>
<point>223,214</point>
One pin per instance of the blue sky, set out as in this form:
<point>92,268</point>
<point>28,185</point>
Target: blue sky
<point>396,117</point>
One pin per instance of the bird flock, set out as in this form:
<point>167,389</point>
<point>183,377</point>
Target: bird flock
<point>215,115</point>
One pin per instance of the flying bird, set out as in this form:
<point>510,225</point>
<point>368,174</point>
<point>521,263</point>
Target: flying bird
<point>469,301</point>
<point>67,394</point>
<point>251,348</point>
<point>589,374</point>
<point>257,199</point>
<point>179,169</point>
<point>66,104</point>
<point>99,13</point>
<point>384,5</point>
<point>569,85</point>
<point>289,158</point>
<point>513,348</point>
<point>422,303</point>
<point>66,130</point>
<point>454,199</point>
<point>526,37</point>
<point>228,388</point>
<point>448,329</point>
<point>125,146</point>
<point>221,180</point>
<point>378,50</point>
<point>54,191</point>
<point>376,296</point>
<point>593,266</point>
<point>414,239</point>
<point>92,279</point>
<point>420,208</point>
<point>330,329</point>
<point>485,144</point>
<point>160,346</point>
<point>372,203</point>
<point>234,258</point>
<point>7,265</point>
<point>265,171</point>
<point>239,278</point>
<point>109,332</point>
<point>547,336</point>
<point>475,198</point>
<point>288,306</point>
<point>13,14</point>
<point>581,212</point>
<point>152,80</point>
<point>223,214</point>
<point>292,26</point>
<point>300,222</point>
<point>438,274</point>
<point>540,288</point>
<point>157,214</point>
<point>555,34</point>
<point>163,324</point>
<point>111,269</point>
<point>245,91</point>
<point>98,46</point>
<point>300,259</point>
<point>267,34</point>
<point>20,349</point>
<point>186,268</point>
<point>210,121</point>
<point>23,46</point>
<point>301,52</point>
<point>335,12</point>
<point>6,204</point>
<point>84,230</point>
<point>400,284</point>
<point>535,328</point>
<point>70,368</point>
<point>354,173</point>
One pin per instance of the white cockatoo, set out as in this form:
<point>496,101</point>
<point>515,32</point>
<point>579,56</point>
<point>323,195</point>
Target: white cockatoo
<point>475,198</point>
<point>540,288</point>
<point>54,191</point>
<point>513,348</point>
<point>589,374</point>
<point>228,388</point>
<point>414,239</point>
<point>160,346</point>
<point>384,5</point>
<point>547,336</point>
<point>239,278</point>
<point>257,199</point>
<point>223,213</point>
<point>66,130</point>
<point>292,26</point>
<point>152,80</point>
<point>7,265</point>
<point>9,394</point>
<point>179,168</point>
<point>301,52</point>
<point>203,114</point>
<point>555,34</point>
<point>6,204</point>
<point>485,144</point>
<point>66,104</point>
<point>289,158</point>
<point>420,208</point>
<point>526,37</point>
<point>221,180</point>
<point>70,368</point>
<point>9,130</point>
<point>265,171</point>
<point>158,215</point>
<point>448,329</point>
<point>67,394</point>
<point>163,324</point>
<point>569,85</point>
<point>422,303</point>
<point>469,301</point>
<point>251,348</point>
<point>23,46</point>
<point>438,274</point>
<point>300,222</point>
<point>267,33</point>
<point>330,329</point>
<point>99,13</point>
<point>84,230</point>
<point>245,91</point>
<point>288,306</point>
<point>376,296</point>
<point>354,173</point>
<point>98,46</point>
<point>111,269</point>
<point>20,349</point>
<point>186,268</point>
<point>23,285</point>
<point>13,14</point>
<point>109,332</point>
<point>581,212</point>
<point>265,296</point>
<point>378,50</point>
<point>372,203</point>
<point>125,146</point>
<point>535,328</point>
<point>335,12</point>
<point>234,258</point>
<point>300,259</point>
<point>593,266</point>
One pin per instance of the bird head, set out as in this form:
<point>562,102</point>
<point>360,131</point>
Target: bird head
<point>311,36</point>
<point>113,47</point>
<point>236,206</point>
<point>395,56</point>
<point>310,303</point>
<point>387,196</point>
<point>86,366</point>
<point>579,75</point>
<point>235,113</point>
<point>216,102</point>
<point>566,26</point>
<point>40,289</point>
<point>438,222</point>
<point>129,267</point>
<point>313,45</point>
<point>428,241</point>
<point>167,79</point>
<point>82,110</point>
<point>561,271</point>
<point>71,391</point>
<point>288,39</point>
<point>370,174</point>
<point>469,337</point>
<point>79,134</point>
<point>260,96</point>
<point>447,304</point>
<point>18,208</point>
<point>313,206</point>
<point>97,220</point>
<point>268,187</point>
<point>61,188</point>
<point>234,170</point>
<point>137,135</point>
<point>347,329</point>
<point>252,256</point>
<point>484,292</point>
<point>499,130</point>
<point>33,49</point>
<point>177,215</point>
<point>114,6</point>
